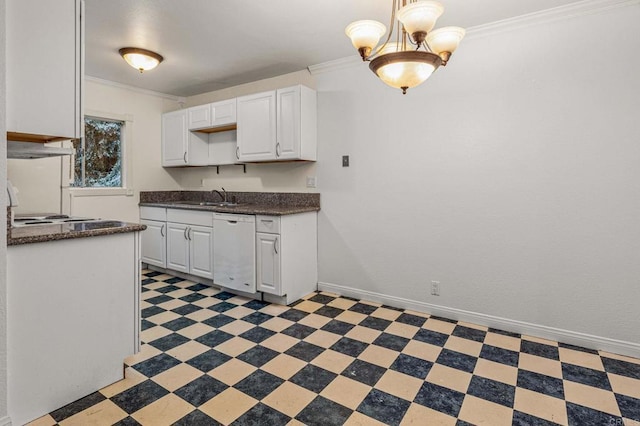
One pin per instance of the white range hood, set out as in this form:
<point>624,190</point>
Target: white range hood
<point>30,150</point>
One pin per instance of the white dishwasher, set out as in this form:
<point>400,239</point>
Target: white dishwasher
<point>234,251</point>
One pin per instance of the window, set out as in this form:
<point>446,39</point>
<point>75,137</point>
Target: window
<point>99,155</point>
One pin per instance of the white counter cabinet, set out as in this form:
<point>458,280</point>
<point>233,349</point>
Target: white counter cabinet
<point>275,255</point>
<point>287,255</point>
<point>73,316</point>
<point>190,242</point>
<point>154,238</point>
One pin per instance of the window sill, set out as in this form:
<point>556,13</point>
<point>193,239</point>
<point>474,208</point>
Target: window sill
<point>99,192</point>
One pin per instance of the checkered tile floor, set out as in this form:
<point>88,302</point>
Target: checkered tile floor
<point>210,357</point>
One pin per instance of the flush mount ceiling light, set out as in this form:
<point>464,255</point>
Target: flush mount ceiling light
<point>417,51</point>
<point>140,59</point>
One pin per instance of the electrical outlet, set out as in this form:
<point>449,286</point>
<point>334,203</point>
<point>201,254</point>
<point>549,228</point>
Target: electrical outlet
<point>312,181</point>
<point>345,161</point>
<point>435,288</point>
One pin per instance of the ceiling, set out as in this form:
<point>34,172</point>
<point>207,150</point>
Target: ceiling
<point>213,44</point>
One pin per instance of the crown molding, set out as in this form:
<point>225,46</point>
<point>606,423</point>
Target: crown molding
<point>178,99</point>
<point>572,10</point>
<point>338,64</point>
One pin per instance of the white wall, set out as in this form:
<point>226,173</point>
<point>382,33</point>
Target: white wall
<point>278,177</point>
<point>511,176</point>
<point>38,184</point>
<point>145,109</point>
<point>3,223</point>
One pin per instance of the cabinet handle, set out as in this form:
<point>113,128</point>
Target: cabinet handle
<point>185,233</point>
<point>232,221</point>
<point>162,230</point>
<point>189,233</point>
<point>266,220</point>
<point>184,157</point>
<point>237,152</point>
<point>275,245</point>
<point>278,149</point>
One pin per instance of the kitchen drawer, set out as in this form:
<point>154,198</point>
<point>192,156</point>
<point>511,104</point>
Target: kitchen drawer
<point>190,217</point>
<point>153,213</point>
<point>268,224</point>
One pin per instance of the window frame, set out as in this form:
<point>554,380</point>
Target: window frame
<point>125,150</point>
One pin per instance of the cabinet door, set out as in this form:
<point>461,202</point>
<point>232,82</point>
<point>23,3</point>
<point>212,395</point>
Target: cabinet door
<point>177,247</point>
<point>201,251</point>
<point>174,138</point>
<point>199,117</point>
<point>223,112</point>
<point>288,123</point>
<point>154,247</point>
<point>257,127</point>
<point>268,263</point>
<point>44,67</point>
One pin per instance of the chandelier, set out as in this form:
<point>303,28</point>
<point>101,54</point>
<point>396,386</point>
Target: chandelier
<point>417,50</point>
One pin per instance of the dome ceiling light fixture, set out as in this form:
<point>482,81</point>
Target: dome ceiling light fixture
<point>140,59</point>
<point>418,50</point>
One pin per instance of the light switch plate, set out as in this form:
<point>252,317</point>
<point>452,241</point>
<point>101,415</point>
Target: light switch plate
<point>312,181</point>
<point>345,161</point>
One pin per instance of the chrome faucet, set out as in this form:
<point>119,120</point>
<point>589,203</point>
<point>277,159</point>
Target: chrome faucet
<point>223,196</point>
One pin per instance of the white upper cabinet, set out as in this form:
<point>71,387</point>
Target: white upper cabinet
<point>44,67</point>
<point>278,125</point>
<point>199,117</point>
<point>212,116</point>
<point>223,113</point>
<point>175,138</point>
<point>257,127</point>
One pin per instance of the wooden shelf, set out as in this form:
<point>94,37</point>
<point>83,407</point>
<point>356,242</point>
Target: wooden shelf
<point>29,137</point>
<point>217,129</point>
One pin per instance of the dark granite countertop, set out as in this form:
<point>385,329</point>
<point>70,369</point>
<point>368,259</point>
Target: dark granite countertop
<point>239,209</point>
<point>266,203</point>
<point>45,233</point>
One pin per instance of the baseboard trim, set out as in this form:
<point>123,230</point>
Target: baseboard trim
<point>566,336</point>
<point>5,421</point>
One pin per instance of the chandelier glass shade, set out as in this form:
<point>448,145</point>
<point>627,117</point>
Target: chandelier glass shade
<point>418,49</point>
<point>140,59</point>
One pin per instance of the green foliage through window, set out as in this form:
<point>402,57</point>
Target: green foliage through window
<point>98,160</point>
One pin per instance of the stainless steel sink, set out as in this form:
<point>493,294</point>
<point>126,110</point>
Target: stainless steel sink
<point>207,203</point>
<point>218,204</point>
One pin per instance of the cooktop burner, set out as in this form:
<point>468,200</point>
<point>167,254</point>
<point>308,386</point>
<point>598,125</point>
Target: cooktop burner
<point>33,220</point>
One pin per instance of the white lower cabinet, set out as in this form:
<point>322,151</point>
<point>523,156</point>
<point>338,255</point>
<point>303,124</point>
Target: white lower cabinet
<point>287,255</point>
<point>190,242</point>
<point>154,247</point>
<point>177,247</point>
<point>276,255</point>
<point>154,238</point>
<point>201,251</point>
<point>268,260</point>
